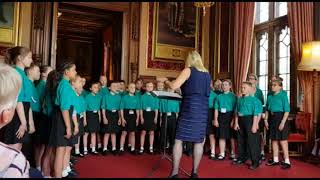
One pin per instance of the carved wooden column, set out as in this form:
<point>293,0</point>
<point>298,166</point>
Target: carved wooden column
<point>134,40</point>
<point>41,31</point>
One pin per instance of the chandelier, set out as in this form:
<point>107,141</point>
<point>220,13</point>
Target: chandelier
<point>203,5</point>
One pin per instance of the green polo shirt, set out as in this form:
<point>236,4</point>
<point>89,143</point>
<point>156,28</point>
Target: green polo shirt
<point>248,105</point>
<point>80,106</point>
<point>85,93</point>
<point>103,91</point>
<point>130,102</point>
<point>47,105</point>
<point>111,101</point>
<point>225,101</point>
<point>93,102</point>
<point>26,90</point>
<point>258,94</point>
<point>212,98</point>
<point>35,99</point>
<point>278,102</point>
<point>170,106</point>
<point>66,96</point>
<point>41,88</point>
<point>148,101</point>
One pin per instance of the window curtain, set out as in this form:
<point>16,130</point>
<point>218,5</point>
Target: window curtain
<point>300,19</point>
<point>243,34</point>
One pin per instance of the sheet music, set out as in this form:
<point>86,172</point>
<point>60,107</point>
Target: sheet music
<point>166,95</point>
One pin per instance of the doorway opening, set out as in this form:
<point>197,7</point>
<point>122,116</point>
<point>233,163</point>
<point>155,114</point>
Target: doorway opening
<point>92,39</point>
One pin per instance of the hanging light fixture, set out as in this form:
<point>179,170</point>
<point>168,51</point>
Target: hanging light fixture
<point>203,5</point>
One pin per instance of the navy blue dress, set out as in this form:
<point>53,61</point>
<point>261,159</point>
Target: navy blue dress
<point>193,118</point>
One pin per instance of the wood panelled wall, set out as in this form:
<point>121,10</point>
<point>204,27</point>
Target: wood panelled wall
<point>221,40</point>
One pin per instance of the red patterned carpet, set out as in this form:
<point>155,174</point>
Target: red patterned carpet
<point>129,166</point>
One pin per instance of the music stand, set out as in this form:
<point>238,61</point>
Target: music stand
<point>168,96</point>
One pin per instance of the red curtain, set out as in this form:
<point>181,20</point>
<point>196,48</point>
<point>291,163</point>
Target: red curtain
<point>300,19</point>
<point>243,33</point>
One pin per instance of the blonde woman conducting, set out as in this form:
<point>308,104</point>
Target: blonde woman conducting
<point>194,81</point>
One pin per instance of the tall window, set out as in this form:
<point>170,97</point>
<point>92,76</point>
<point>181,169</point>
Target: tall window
<point>272,46</point>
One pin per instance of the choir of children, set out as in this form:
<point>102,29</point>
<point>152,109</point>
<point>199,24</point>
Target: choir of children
<point>63,115</point>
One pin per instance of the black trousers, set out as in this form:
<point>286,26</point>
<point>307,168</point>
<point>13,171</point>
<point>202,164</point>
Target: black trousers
<point>171,129</point>
<point>248,142</point>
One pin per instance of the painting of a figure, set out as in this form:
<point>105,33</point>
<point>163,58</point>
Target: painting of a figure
<point>6,14</point>
<point>175,30</point>
<point>177,24</point>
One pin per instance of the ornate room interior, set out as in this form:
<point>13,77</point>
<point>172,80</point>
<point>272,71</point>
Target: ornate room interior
<point>120,40</point>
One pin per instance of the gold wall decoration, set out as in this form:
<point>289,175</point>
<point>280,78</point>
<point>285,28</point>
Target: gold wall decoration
<point>9,22</point>
<point>175,31</point>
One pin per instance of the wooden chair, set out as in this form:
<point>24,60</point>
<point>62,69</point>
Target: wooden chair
<point>301,137</point>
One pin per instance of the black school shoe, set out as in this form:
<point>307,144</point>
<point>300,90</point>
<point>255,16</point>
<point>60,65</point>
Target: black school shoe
<point>272,163</point>
<point>238,162</point>
<point>134,152</point>
<point>114,152</point>
<point>121,152</point>
<point>105,152</point>
<point>94,152</point>
<point>254,166</point>
<point>221,158</point>
<point>212,156</point>
<point>285,166</point>
<point>79,155</point>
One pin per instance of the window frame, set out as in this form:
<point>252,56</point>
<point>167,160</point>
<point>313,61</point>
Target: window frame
<point>271,26</point>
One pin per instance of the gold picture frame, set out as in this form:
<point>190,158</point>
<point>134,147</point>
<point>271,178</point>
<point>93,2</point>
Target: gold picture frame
<point>170,52</point>
<point>9,33</point>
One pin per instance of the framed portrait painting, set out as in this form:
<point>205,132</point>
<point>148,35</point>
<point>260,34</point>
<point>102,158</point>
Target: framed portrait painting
<point>9,17</point>
<point>175,30</point>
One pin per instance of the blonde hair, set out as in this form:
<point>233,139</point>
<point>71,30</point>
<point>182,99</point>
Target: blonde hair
<point>10,85</point>
<point>194,60</point>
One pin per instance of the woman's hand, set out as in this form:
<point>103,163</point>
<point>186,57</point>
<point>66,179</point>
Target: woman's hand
<point>119,121</point>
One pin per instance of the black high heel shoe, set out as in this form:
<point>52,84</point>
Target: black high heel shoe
<point>174,176</point>
<point>194,175</point>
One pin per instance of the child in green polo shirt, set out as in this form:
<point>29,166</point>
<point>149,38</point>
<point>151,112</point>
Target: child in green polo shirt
<point>80,107</point>
<point>93,117</point>
<point>277,111</point>
<point>149,116</point>
<point>33,73</point>
<point>246,123</point>
<point>111,117</point>
<point>17,131</point>
<point>256,91</point>
<point>130,106</point>
<point>158,132</point>
<point>210,127</point>
<point>224,108</point>
<point>170,110</point>
<point>63,118</point>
